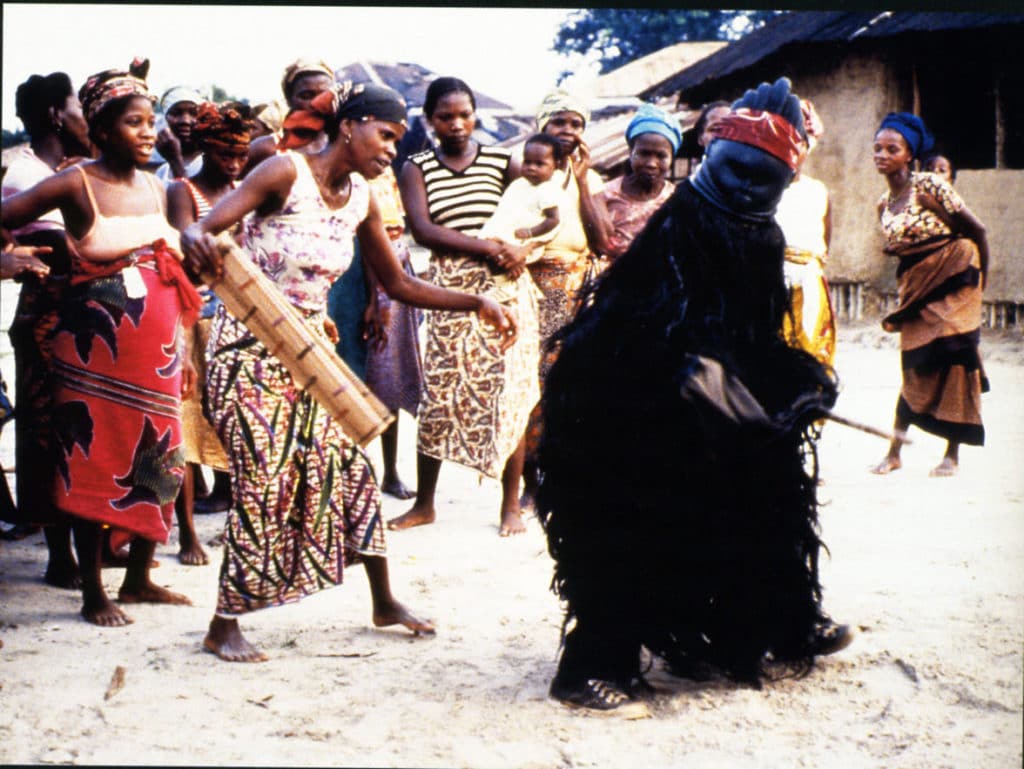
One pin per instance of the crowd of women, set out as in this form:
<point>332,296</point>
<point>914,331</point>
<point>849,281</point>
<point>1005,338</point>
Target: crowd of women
<point>132,376</point>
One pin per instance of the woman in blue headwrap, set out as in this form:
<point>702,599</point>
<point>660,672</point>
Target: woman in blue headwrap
<point>653,137</point>
<point>943,264</point>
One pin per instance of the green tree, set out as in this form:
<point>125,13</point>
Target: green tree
<point>218,95</point>
<point>620,35</point>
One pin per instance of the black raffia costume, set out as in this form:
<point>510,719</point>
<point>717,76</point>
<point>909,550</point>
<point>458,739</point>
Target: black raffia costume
<point>673,525</point>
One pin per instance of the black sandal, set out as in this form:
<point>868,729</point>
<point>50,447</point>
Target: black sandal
<point>592,693</point>
<point>830,638</point>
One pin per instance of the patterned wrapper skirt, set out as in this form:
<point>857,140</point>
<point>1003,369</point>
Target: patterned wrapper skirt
<point>117,362</point>
<point>30,335</point>
<point>395,373</point>
<point>202,446</point>
<point>810,323</point>
<point>476,399</point>
<point>939,321</point>
<point>560,281</point>
<point>306,502</point>
<point>346,304</point>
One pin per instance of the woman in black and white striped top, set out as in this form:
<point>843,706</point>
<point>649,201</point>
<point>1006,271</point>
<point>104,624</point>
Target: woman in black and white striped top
<point>476,398</point>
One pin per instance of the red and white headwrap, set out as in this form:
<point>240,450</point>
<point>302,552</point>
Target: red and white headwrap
<point>764,130</point>
<point>103,87</point>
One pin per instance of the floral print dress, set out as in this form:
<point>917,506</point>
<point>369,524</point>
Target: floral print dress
<point>306,502</point>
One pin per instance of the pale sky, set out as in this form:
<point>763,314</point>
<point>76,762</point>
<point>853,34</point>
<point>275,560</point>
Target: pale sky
<point>503,52</point>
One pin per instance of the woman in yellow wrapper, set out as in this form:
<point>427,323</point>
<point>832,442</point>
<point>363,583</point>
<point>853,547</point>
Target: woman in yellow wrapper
<point>805,216</point>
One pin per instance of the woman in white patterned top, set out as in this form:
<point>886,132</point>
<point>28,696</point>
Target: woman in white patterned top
<point>306,503</point>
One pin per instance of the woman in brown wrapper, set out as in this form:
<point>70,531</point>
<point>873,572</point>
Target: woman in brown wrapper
<point>943,264</point>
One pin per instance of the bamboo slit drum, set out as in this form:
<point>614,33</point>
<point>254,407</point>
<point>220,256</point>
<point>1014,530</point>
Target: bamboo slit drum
<point>252,297</point>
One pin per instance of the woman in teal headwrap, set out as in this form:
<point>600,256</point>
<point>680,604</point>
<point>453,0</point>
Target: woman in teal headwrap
<point>653,137</point>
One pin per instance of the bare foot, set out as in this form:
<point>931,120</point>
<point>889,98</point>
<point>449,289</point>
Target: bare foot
<point>511,523</point>
<point>947,468</point>
<point>225,639</point>
<point>63,574</point>
<point>395,613</point>
<point>103,612</point>
<point>397,489</point>
<point>193,555</point>
<point>150,593</point>
<point>886,466</point>
<point>416,516</point>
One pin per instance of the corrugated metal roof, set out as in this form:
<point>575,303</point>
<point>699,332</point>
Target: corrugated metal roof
<point>607,137</point>
<point>802,27</point>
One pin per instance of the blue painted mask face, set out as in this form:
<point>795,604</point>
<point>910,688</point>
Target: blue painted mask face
<point>743,179</point>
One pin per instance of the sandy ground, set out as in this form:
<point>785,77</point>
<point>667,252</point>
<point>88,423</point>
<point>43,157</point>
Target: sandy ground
<point>931,570</point>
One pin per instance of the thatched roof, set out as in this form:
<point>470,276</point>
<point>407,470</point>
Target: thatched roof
<point>802,28</point>
<point>640,74</point>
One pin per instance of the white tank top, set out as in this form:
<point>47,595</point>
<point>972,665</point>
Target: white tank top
<point>801,214</point>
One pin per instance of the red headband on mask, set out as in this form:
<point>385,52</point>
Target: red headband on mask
<point>764,130</point>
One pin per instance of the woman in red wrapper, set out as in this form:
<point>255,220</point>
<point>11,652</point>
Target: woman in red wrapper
<point>117,343</point>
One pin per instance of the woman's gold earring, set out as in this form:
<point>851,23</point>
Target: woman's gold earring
<point>348,138</point>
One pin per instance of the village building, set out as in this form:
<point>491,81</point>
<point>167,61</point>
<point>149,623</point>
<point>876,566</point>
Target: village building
<point>955,70</point>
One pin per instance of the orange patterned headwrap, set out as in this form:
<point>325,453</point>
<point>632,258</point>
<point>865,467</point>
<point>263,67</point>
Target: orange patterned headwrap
<point>226,126</point>
<point>301,126</point>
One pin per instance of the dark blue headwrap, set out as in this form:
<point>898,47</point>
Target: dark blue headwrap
<point>912,129</point>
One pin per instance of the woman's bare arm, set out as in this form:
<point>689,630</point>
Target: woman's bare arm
<point>397,283</point>
<point>180,211</point>
<point>265,188</point>
<point>55,192</point>
<point>597,224</point>
<point>966,222</point>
